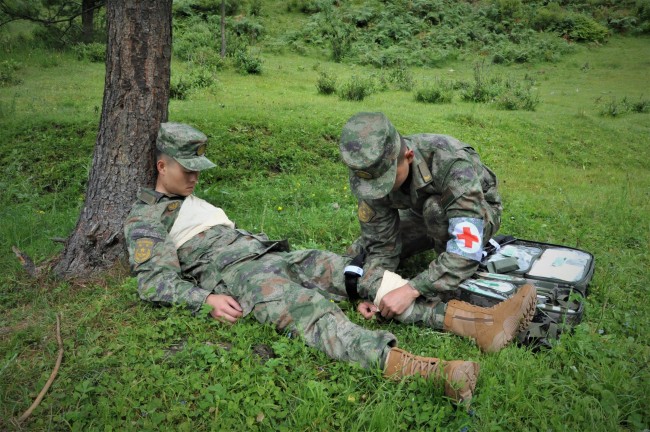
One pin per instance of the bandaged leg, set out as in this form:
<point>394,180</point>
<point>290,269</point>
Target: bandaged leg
<point>390,282</point>
<point>429,314</point>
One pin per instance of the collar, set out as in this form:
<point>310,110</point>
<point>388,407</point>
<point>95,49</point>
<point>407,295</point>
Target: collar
<point>151,196</point>
<point>419,170</point>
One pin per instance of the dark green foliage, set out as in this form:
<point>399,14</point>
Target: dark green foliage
<point>426,33</point>
<point>572,25</point>
<point>93,52</point>
<point>505,92</point>
<point>642,10</point>
<point>484,88</point>
<point>401,77</point>
<point>612,107</point>
<point>186,8</point>
<point>248,28</point>
<point>584,29</point>
<point>9,73</point>
<point>641,106</point>
<point>207,58</point>
<point>548,17</point>
<point>255,8</point>
<point>182,86</point>
<point>518,96</point>
<point>195,35</point>
<point>356,88</point>
<point>326,83</point>
<point>435,93</point>
<point>304,6</point>
<point>247,62</point>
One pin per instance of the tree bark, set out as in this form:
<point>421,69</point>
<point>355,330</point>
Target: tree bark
<point>136,96</point>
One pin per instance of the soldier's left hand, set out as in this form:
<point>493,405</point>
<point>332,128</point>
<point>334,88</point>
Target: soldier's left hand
<point>398,301</point>
<point>367,309</point>
<point>224,308</point>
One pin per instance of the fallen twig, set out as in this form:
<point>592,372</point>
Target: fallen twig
<point>40,396</point>
<point>26,262</point>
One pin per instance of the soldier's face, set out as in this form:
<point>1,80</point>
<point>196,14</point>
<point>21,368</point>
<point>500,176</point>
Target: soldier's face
<point>173,179</point>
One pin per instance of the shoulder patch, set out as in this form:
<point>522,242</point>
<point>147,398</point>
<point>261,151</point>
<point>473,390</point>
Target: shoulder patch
<point>424,172</point>
<point>148,196</point>
<point>143,250</point>
<point>173,206</point>
<point>366,213</point>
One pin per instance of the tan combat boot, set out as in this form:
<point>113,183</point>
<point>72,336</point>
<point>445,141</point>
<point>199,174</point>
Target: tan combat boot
<point>459,376</point>
<point>492,328</point>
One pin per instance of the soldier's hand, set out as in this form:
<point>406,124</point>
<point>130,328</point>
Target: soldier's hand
<point>398,301</point>
<point>367,309</point>
<point>224,308</point>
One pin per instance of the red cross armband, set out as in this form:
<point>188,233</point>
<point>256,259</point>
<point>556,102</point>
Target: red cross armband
<point>466,238</point>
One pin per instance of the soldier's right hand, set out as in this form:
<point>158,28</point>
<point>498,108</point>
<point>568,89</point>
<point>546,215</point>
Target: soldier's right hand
<point>224,308</point>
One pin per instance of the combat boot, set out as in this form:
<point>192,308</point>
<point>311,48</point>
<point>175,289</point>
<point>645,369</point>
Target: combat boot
<point>459,376</point>
<point>492,328</point>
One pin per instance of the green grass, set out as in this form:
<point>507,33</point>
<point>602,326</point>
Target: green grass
<point>568,175</point>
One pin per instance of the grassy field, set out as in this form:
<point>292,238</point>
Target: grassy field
<point>568,175</point>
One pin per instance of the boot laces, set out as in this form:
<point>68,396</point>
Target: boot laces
<point>425,367</point>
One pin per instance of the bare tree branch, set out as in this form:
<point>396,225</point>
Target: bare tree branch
<point>40,396</point>
<point>17,15</point>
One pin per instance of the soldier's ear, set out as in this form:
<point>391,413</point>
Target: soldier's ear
<point>409,155</point>
<point>161,164</point>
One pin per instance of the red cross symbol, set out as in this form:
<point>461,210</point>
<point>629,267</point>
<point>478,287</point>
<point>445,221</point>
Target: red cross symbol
<point>468,237</point>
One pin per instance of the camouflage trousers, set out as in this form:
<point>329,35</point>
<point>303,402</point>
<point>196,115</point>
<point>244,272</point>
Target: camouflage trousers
<point>297,293</point>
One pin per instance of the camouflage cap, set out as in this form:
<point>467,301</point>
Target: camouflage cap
<point>370,146</point>
<point>185,144</point>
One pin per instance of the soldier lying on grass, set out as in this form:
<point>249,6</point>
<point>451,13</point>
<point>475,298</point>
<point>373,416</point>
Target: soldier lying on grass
<point>186,251</point>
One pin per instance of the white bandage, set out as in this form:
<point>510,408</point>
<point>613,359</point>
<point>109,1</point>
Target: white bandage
<point>194,217</point>
<point>390,282</point>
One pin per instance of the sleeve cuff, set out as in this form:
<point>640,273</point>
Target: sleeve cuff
<point>421,283</point>
<point>195,298</point>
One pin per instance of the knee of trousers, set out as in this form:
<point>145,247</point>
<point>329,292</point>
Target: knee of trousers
<point>355,248</point>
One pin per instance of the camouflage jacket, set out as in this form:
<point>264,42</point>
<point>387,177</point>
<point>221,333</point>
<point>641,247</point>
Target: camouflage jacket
<point>448,184</point>
<point>187,275</point>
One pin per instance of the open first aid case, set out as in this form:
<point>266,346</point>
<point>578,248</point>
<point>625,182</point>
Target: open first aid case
<point>560,274</point>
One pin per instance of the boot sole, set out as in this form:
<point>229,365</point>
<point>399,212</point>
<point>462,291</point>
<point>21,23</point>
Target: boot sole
<point>467,374</point>
<point>529,312</point>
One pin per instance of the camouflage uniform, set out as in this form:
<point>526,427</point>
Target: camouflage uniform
<point>451,203</point>
<point>292,290</point>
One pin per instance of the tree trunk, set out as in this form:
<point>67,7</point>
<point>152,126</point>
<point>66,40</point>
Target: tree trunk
<point>136,95</point>
<point>223,28</point>
<point>87,17</point>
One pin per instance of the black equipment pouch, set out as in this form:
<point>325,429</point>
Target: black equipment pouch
<point>353,272</point>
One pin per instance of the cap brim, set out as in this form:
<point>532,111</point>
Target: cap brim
<point>374,188</point>
<point>198,163</point>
